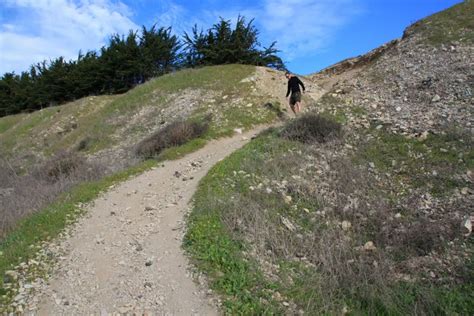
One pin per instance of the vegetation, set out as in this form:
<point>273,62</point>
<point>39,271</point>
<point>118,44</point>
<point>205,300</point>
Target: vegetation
<point>222,45</point>
<point>95,123</point>
<point>128,61</point>
<point>173,135</point>
<point>277,231</point>
<point>312,128</point>
<point>423,163</point>
<point>453,24</point>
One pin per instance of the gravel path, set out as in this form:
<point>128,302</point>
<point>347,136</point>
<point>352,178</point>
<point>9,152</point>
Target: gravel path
<point>125,256</point>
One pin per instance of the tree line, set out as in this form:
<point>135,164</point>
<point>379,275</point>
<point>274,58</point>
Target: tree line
<point>130,60</point>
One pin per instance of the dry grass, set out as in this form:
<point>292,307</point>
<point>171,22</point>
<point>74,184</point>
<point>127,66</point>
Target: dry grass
<point>312,128</point>
<point>288,202</point>
<point>22,195</point>
<point>173,135</point>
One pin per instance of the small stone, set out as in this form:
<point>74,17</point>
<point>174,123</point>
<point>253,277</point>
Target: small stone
<point>148,262</point>
<point>466,226</point>
<point>432,274</point>
<point>436,98</point>
<point>11,276</point>
<point>424,135</point>
<point>288,224</point>
<point>464,191</point>
<point>268,190</point>
<point>398,215</point>
<point>398,109</point>
<point>238,130</point>
<point>369,246</point>
<point>287,199</point>
<point>149,208</point>
<point>371,165</point>
<point>286,304</point>
<point>346,225</point>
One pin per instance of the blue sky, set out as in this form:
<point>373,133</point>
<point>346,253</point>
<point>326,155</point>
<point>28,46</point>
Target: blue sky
<point>311,34</point>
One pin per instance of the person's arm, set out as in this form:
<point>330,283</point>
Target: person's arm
<point>288,91</point>
<point>302,85</point>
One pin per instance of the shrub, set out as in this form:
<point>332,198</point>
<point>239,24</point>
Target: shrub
<point>63,164</point>
<point>175,134</point>
<point>22,195</point>
<point>311,128</point>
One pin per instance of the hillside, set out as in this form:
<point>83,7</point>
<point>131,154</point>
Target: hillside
<point>375,218</point>
<point>108,126</point>
<point>361,206</point>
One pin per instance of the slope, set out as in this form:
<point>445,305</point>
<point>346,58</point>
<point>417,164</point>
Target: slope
<point>375,219</point>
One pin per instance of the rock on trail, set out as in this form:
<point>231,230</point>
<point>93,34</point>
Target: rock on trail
<point>125,255</point>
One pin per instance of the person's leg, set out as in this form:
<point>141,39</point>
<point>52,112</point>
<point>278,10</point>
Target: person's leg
<point>292,103</point>
<point>292,106</point>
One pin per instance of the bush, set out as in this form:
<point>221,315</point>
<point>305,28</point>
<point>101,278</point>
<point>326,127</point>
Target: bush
<point>311,128</point>
<point>175,134</point>
<point>22,195</point>
<point>61,165</point>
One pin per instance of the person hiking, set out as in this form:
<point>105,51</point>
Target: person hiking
<point>294,84</point>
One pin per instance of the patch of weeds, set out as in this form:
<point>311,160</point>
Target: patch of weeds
<point>264,200</point>
<point>358,111</point>
<point>173,135</point>
<point>10,121</point>
<point>330,99</point>
<point>432,163</point>
<point>312,128</point>
<point>275,107</point>
<point>453,24</point>
<point>85,144</point>
<point>177,152</point>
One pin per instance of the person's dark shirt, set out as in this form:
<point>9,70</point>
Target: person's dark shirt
<point>294,85</point>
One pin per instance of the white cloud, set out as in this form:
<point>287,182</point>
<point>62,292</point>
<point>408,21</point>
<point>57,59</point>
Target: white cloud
<point>45,29</point>
<point>302,27</point>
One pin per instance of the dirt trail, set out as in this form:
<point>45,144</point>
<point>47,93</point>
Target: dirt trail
<point>125,256</point>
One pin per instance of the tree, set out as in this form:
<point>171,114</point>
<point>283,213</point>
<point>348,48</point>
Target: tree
<point>223,45</point>
<point>159,51</point>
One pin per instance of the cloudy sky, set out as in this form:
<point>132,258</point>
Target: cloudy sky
<point>311,34</point>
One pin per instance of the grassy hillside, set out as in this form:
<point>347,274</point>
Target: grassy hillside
<point>376,221</point>
<point>453,24</point>
<point>337,227</point>
<point>97,123</point>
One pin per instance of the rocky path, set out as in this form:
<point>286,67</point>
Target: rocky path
<point>125,256</point>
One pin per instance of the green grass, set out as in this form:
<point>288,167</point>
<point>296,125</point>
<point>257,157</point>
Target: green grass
<point>181,151</point>
<point>413,161</point>
<point>8,122</point>
<point>220,246</point>
<point>100,119</point>
<point>453,24</point>
<point>214,249</point>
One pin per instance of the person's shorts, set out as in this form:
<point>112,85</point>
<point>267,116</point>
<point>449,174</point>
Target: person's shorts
<point>295,97</point>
